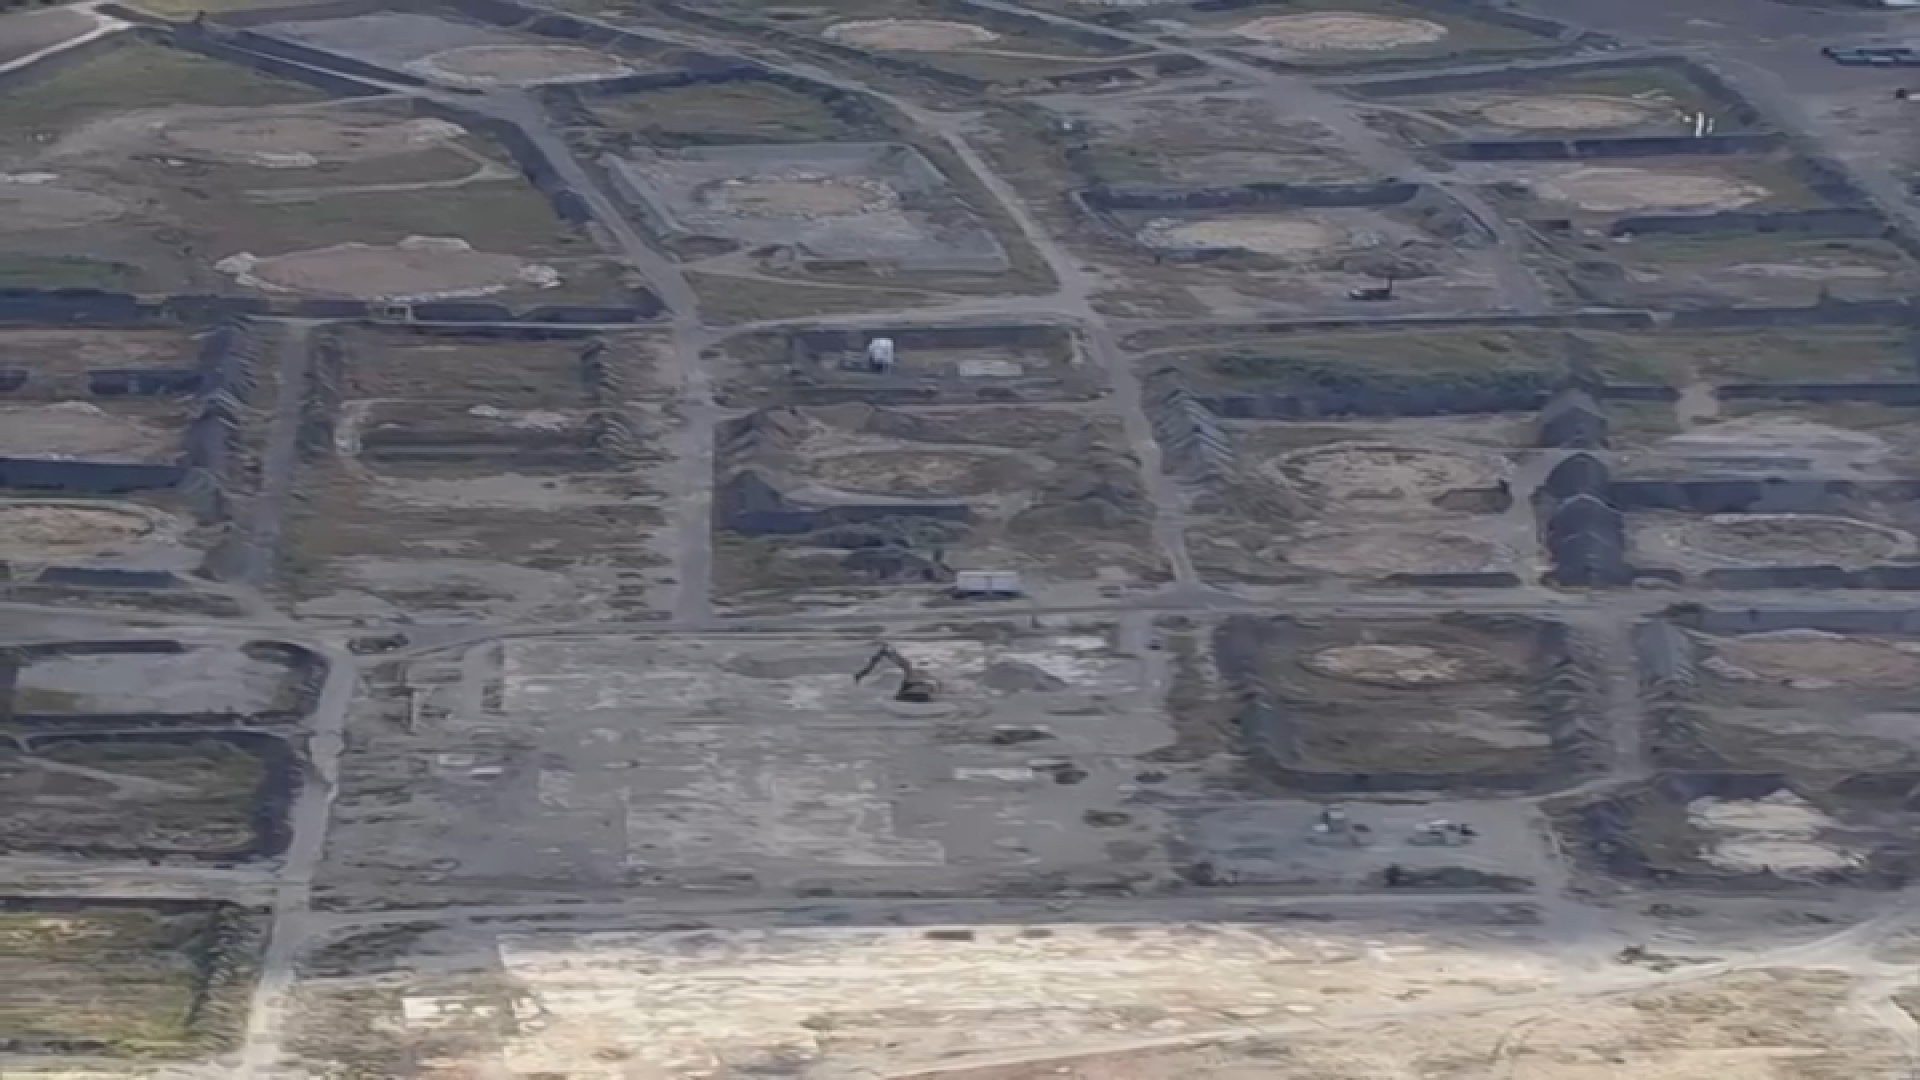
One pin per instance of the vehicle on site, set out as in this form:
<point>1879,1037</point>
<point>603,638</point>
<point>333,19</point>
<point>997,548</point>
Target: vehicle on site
<point>914,686</point>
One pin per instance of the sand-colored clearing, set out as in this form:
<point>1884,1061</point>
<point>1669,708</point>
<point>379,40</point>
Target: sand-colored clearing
<point>1618,189</point>
<point>909,35</point>
<point>1778,834</point>
<point>58,530</point>
<point>1341,31</point>
<point>521,65</point>
<point>26,207</point>
<point>1266,235</point>
<point>295,139</point>
<point>1383,550</point>
<point>77,430</point>
<point>1794,540</point>
<point>1361,471</point>
<point>1567,112</point>
<point>417,268</point>
<point>801,195</point>
<point>1392,665</point>
<point>1816,659</point>
<point>910,473</point>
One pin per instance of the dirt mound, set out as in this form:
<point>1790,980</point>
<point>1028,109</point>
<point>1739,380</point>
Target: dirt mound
<point>53,530</point>
<point>293,140</point>
<point>1793,540</point>
<point>78,431</point>
<point>1616,189</point>
<point>1812,659</point>
<point>911,473</point>
<point>1341,31</point>
<point>1380,551</point>
<point>33,207</point>
<point>1394,665</point>
<point>521,65</point>
<point>1361,471</point>
<point>801,195</point>
<point>1265,235</point>
<point>909,35</point>
<point>417,268</point>
<point>1567,112</point>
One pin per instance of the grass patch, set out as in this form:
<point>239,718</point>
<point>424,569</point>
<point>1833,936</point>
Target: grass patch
<point>141,75</point>
<point>145,796</point>
<point>125,981</point>
<point>65,272</point>
<point>1771,354</point>
<point>1335,360</point>
<point>502,217</point>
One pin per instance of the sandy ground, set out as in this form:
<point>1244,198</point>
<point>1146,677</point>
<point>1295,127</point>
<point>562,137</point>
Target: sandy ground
<point>1567,112</point>
<point>907,473</point>
<point>909,35</point>
<point>1792,540</point>
<point>1778,834</point>
<point>256,137</point>
<point>521,65</point>
<point>417,268</point>
<point>1266,235</point>
<point>1616,189</point>
<point>33,207</point>
<point>1331,31</point>
<point>1796,656</point>
<point>78,430</point>
<point>1378,550</point>
<point>53,530</point>
<point>1392,665</point>
<point>1348,471</point>
<point>801,195</point>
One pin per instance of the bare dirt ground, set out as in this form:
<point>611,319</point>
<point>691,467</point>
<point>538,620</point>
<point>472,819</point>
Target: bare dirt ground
<point>562,814</point>
<point>1341,31</point>
<point>418,268</point>
<point>79,429</point>
<point>912,35</point>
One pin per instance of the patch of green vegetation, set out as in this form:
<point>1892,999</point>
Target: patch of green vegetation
<point>66,272</point>
<point>495,217</point>
<point>742,111</point>
<point>140,75</point>
<point>1333,361</point>
<point>1766,354</point>
<point>124,981</point>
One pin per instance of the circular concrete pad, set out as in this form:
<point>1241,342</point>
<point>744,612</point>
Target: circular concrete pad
<point>1365,471</point>
<point>909,35</point>
<point>1392,665</point>
<point>1376,552</point>
<point>40,207</point>
<point>417,268</point>
<point>1341,31</point>
<point>1278,234</point>
<point>801,195</point>
<point>521,65</point>
<point>910,473</point>
<point>289,139</point>
<point>1567,112</point>
<point>53,530</point>
<point>1793,540</point>
<point>1617,189</point>
<point>1816,659</point>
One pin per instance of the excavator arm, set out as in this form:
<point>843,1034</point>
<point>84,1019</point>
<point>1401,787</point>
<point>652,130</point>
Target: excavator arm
<point>913,685</point>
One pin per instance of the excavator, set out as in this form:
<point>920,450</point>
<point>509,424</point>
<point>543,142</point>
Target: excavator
<point>913,685</point>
